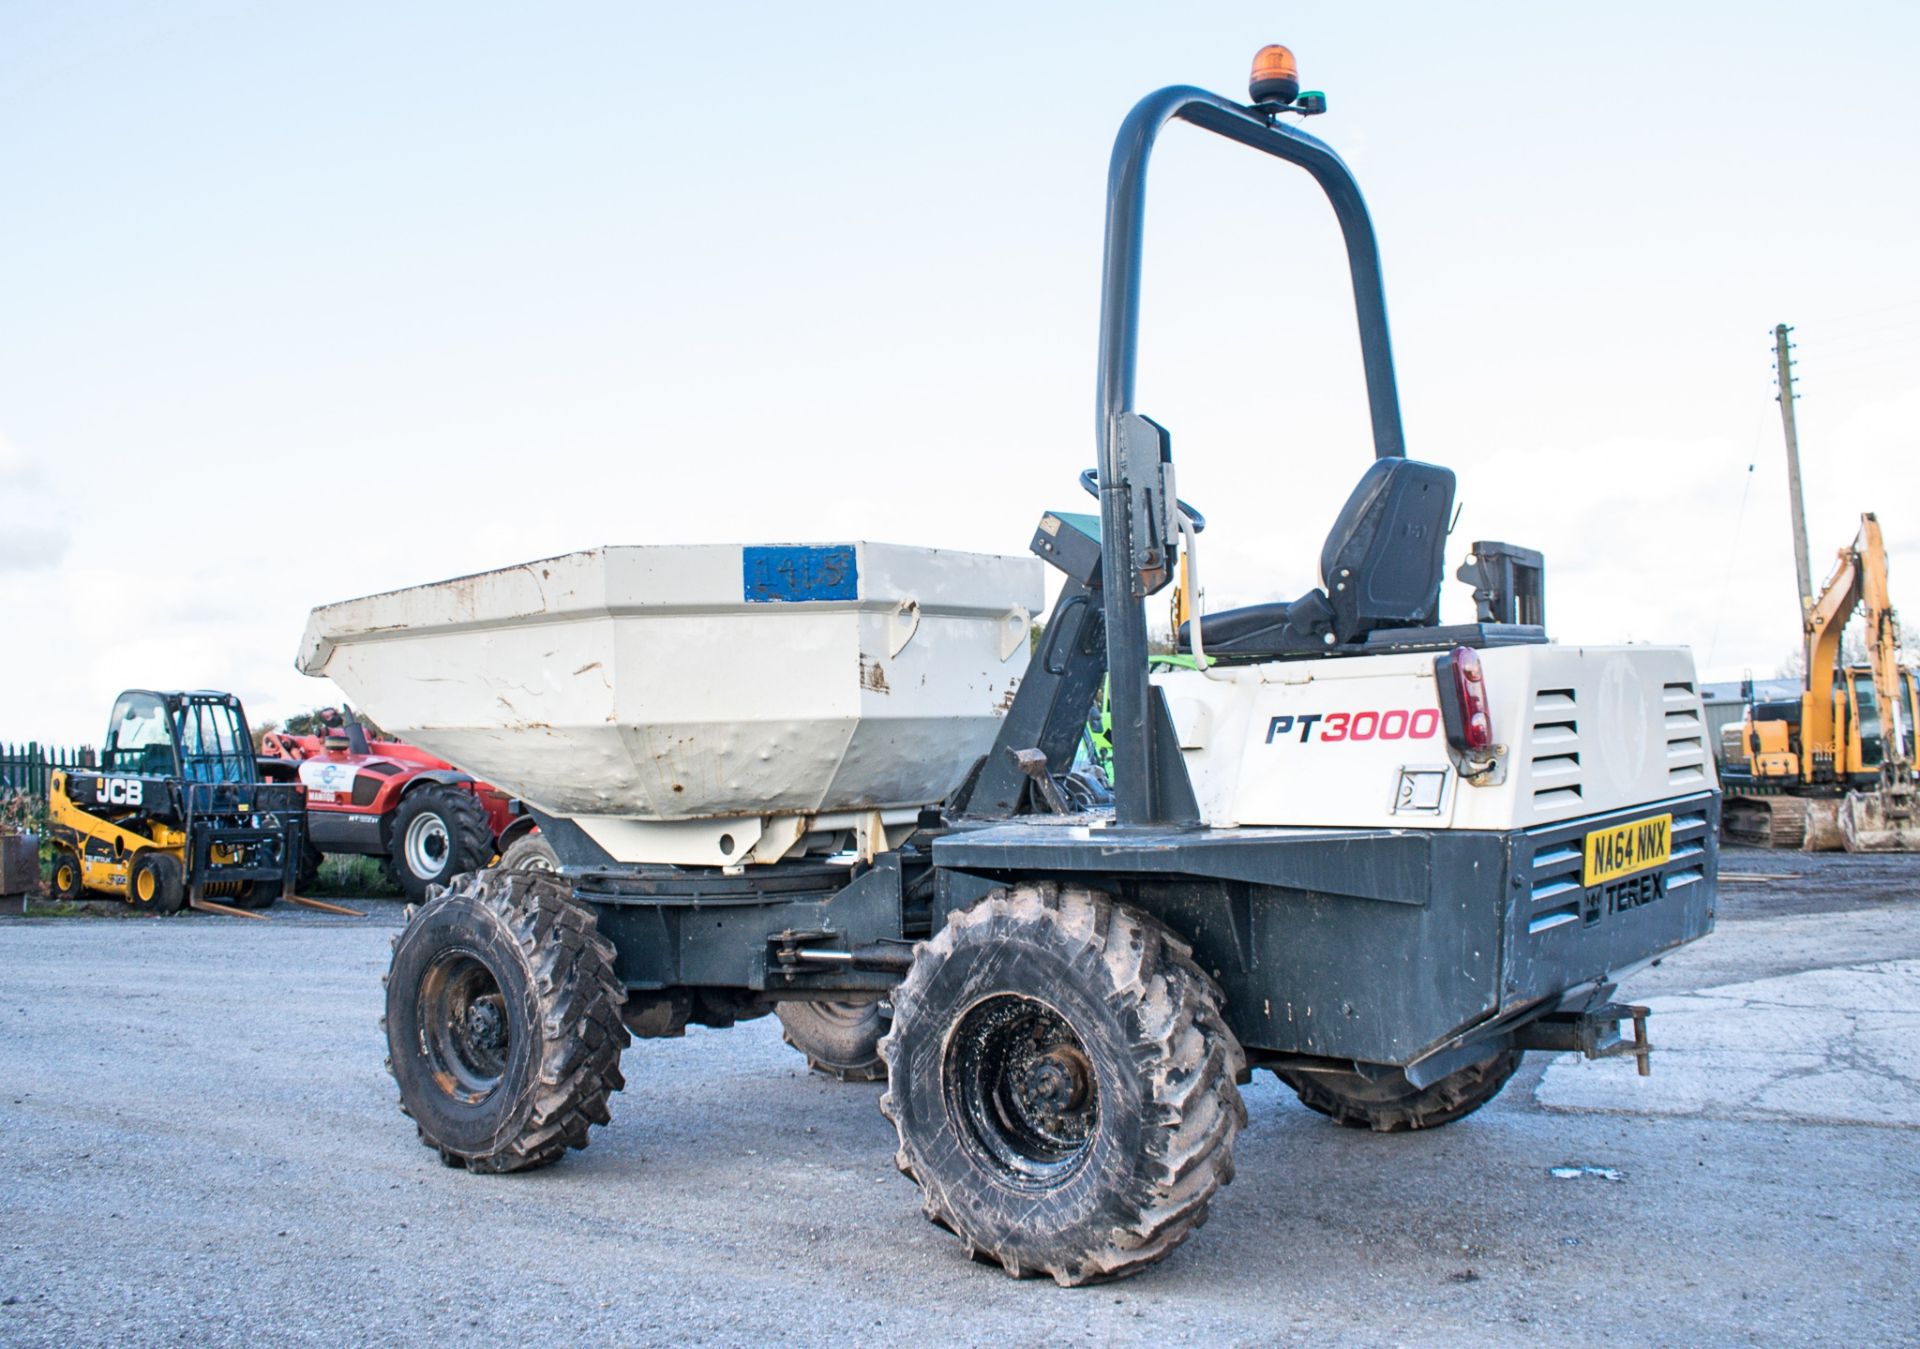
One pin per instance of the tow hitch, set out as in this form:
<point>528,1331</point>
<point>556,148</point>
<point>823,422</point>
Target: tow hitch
<point>1592,1031</point>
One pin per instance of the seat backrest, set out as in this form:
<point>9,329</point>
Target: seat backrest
<point>1384,561</point>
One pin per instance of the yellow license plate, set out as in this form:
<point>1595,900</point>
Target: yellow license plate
<point>1627,848</point>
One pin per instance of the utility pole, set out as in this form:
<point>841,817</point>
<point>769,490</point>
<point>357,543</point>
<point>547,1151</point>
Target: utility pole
<point>1785,398</point>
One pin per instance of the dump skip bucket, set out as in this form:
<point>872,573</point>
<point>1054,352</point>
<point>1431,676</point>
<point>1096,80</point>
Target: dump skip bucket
<point>702,686</point>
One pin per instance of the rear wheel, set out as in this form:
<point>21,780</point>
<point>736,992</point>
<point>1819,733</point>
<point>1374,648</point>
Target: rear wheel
<point>257,895</point>
<point>1395,1105</point>
<point>310,860</point>
<point>67,885</point>
<point>503,1021</point>
<point>840,1039</point>
<point>157,882</point>
<point>1063,1084</point>
<point>530,852</point>
<point>439,832</point>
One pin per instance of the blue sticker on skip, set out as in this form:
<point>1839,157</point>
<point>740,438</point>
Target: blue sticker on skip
<point>793,574</point>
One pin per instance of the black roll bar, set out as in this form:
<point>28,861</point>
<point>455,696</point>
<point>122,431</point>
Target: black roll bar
<point>1138,779</point>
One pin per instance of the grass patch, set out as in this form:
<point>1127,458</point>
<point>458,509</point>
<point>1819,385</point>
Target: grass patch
<point>349,876</point>
<point>40,905</point>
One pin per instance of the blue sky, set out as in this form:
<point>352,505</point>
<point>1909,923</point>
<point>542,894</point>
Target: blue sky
<point>307,301</point>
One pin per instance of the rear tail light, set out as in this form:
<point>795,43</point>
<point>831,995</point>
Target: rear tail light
<point>1463,699</point>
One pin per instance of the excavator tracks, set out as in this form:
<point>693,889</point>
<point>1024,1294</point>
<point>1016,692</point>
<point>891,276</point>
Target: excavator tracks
<point>1857,822</point>
<point>1765,821</point>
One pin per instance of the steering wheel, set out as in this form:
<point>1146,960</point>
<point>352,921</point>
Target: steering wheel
<point>1090,479</point>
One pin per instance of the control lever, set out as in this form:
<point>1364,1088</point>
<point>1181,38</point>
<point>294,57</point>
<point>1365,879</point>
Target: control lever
<point>1034,764</point>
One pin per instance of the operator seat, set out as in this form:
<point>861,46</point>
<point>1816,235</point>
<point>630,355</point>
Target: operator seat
<point>1381,568</point>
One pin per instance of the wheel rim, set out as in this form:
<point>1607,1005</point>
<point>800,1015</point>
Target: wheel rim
<point>144,886</point>
<point>63,877</point>
<point>464,1030</point>
<point>535,860</point>
<point>427,845</point>
<point>1021,1084</point>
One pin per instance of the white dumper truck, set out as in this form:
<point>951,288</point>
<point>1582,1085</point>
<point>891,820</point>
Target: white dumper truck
<point>1378,856</point>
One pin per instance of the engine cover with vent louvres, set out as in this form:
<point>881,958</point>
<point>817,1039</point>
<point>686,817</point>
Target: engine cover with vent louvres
<point>1357,742</point>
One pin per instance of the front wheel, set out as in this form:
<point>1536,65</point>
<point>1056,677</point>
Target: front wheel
<point>503,1021</point>
<point>1063,1084</point>
<point>1395,1105</point>
<point>157,882</point>
<point>439,832</point>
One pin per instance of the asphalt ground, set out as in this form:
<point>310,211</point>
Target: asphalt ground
<point>202,1148</point>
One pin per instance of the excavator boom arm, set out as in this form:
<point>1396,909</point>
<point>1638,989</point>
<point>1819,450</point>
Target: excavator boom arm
<point>1825,621</point>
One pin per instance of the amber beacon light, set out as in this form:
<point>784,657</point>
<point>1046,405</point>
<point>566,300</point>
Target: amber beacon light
<point>1275,77</point>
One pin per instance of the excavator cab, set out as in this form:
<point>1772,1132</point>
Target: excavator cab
<point>1910,702</point>
<point>1867,747</point>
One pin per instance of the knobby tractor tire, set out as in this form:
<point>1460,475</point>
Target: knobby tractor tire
<point>439,832</point>
<point>530,852</point>
<point>1063,1084</point>
<point>1395,1105</point>
<point>66,883</point>
<point>840,1039</point>
<point>157,882</point>
<point>503,1021</point>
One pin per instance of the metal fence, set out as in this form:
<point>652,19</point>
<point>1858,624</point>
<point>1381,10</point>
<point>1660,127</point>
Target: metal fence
<point>27,768</point>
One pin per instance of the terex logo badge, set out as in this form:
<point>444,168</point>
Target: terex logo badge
<point>1621,896</point>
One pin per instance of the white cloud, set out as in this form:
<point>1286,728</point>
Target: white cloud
<point>16,470</point>
<point>32,545</point>
<point>33,537</point>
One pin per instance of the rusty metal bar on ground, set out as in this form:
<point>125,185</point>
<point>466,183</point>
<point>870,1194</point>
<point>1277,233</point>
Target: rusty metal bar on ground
<point>208,906</point>
<point>325,907</point>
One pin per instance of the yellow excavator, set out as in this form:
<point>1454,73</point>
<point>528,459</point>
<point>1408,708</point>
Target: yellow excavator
<point>1833,770</point>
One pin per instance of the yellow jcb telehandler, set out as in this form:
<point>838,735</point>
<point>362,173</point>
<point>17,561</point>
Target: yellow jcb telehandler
<point>176,815</point>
